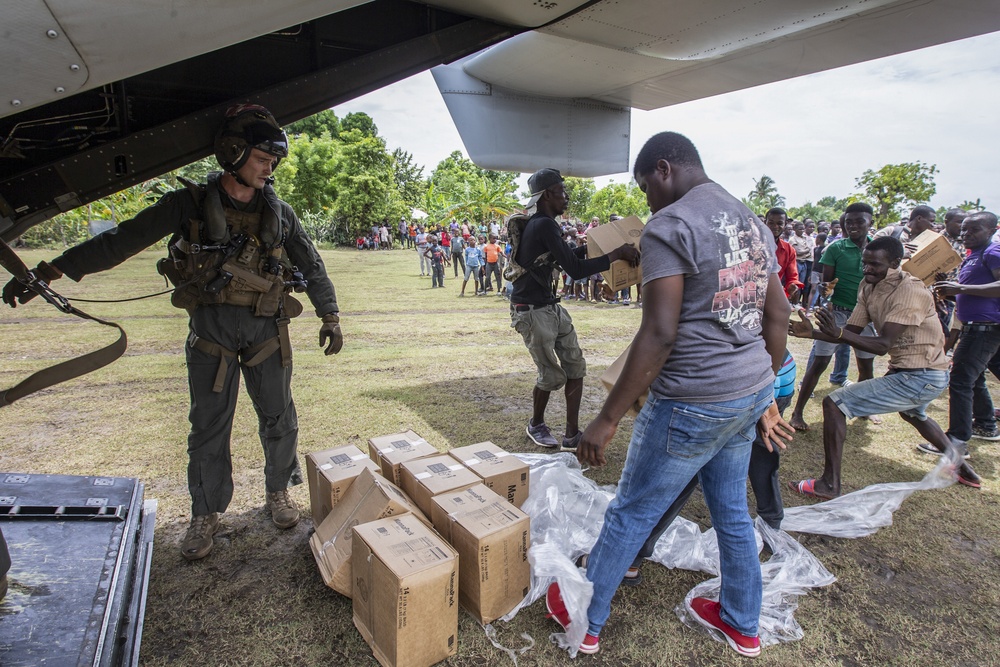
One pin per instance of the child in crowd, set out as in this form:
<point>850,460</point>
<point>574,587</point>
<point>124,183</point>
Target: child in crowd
<point>816,277</point>
<point>473,265</point>
<point>435,253</point>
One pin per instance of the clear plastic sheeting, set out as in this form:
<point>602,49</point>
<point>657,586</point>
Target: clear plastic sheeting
<point>863,512</point>
<point>683,546</point>
<point>790,572</point>
<point>567,513</point>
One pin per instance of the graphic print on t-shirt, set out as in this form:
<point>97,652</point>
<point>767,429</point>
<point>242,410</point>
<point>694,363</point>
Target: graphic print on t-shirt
<point>743,280</point>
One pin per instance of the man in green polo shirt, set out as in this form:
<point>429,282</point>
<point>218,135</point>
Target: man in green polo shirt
<point>841,260</point>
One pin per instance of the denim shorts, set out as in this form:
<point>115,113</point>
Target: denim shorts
<point>825,349</point>
<point>906,392</point>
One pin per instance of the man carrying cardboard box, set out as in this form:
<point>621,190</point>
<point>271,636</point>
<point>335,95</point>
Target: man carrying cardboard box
<point>977,294</point>
<point>921,219</point>
<point>535,313</point>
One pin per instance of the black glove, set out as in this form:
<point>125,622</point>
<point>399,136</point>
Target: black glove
<point>15,291</point>
<point>330,334</point>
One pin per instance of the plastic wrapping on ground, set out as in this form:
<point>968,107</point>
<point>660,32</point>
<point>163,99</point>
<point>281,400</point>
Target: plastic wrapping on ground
<point>567,512</point>
<point>491,634</point>
<point>863,512</point>
<point>790,572</point>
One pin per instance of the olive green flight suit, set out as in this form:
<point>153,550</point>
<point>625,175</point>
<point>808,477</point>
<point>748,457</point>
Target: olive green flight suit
<point>236,328</point>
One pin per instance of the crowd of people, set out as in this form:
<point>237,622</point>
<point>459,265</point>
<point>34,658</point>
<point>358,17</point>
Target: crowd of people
<point>479,253</point>
<point>706,260</point>
<point>718,286</point>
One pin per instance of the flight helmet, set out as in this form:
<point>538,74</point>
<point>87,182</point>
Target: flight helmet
<point>248,126</point>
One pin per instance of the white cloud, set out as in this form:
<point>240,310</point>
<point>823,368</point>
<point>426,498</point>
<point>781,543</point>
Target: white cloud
<point>813,135</point>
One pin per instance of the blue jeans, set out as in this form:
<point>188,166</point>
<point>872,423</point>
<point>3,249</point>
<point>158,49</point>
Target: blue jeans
<point>673,441</point>
<point>972,356</point>
<point>764,482</point>
<point>805,270</point>
<point>841,362</point>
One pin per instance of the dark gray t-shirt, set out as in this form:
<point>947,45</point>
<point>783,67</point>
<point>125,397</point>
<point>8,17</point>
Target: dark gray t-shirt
<point>725,255</point>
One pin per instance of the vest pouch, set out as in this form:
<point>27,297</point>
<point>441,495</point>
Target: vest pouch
<point>186,297</point>
<point>293,307</point>
<point>208,298</point>
<point>266,304</point>
<point>167,268</point>
<point>246,281</point>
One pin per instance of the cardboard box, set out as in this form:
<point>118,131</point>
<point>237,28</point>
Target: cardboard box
<point>390,450</point>
<point>330,473</point>
<point>610,376</point>
<point>370,497</point>
<point>427,477</point>
<point>934,255</point>
<point>504,474</point>
<point>492,539</point>
<point>604,238</point>
<point>405,592</point>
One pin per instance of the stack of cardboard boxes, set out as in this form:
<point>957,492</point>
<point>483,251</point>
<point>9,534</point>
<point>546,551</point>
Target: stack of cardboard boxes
<point>406,575</point>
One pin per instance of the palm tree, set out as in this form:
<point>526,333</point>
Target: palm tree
<point>480,200</point>
<point>765,193</point>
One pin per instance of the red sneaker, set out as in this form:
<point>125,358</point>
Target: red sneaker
<point>558,612</point>
<point>557,608</point>
<point>706,612</point>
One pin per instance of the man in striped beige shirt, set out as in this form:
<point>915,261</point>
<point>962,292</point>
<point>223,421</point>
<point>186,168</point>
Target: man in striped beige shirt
<point>903,313</point>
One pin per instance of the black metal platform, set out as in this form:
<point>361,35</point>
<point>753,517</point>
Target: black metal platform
<point>80,552</point>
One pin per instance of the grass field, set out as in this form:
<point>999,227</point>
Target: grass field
<point>924,591</point>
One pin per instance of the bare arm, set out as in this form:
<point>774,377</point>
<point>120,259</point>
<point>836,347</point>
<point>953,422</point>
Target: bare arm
<point>773,430</point>
<point>775,324</point>
<point>851,334</point>
<point>949,288</point>
<point>650,349</point>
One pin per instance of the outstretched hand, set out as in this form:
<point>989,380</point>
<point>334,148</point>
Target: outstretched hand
<point>947,288</point>
<point>793,293</point>
<point>15,291</point>
<point>774,431</point>
<point>826,289</point>
<point>803,328</point>
<point>827,323</point>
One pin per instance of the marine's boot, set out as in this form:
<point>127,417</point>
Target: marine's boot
<point>284,511</point>
<point>198,541</point>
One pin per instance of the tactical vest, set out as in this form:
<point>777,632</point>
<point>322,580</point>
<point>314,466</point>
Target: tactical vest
<point>231,256</point>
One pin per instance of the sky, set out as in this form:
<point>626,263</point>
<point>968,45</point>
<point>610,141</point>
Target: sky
<point>814,135</point>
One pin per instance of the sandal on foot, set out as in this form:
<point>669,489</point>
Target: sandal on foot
<point>971,481</point>
<point>633,577</point>
<point>807,487</point>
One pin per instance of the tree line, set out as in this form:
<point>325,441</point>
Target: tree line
<point>891,191</point>
<point>341,179</point>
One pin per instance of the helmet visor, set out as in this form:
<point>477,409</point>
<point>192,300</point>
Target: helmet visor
<point>267,138</point>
